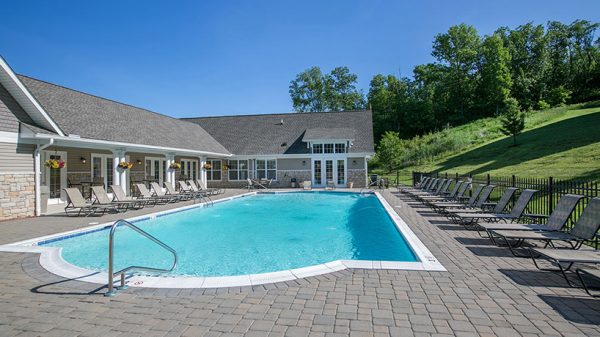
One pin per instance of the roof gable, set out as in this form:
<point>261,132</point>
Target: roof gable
<point>98,118</point>
<point>267,135</point>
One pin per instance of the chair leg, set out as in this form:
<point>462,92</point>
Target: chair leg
<point>585,287</point>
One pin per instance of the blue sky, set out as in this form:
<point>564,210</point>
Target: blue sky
<point>207,58</point>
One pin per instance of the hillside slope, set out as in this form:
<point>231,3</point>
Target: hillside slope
<point>562,143</point>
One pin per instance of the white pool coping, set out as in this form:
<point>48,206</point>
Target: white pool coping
<point>51,258</point>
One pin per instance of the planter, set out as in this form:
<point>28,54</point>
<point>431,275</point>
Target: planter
<point>350,184</point>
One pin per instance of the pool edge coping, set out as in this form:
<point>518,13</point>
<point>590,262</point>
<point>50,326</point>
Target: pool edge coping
<point>51,260</point>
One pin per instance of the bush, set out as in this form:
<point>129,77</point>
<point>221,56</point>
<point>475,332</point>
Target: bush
<point>558,96</point>
<point>542,105</point>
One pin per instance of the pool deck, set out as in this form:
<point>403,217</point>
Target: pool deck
<point>484,292</point>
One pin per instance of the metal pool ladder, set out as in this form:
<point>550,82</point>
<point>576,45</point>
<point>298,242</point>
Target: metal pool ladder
<point>111,274</point>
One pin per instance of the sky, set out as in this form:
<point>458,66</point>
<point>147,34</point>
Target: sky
<point>208,58</point>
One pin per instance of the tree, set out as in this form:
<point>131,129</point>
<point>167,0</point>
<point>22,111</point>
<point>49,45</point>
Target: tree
<point>389,152</point>
<point>512,120</point>
<point>495,80</point>
<point>458,51</point>
<point>314,91</point>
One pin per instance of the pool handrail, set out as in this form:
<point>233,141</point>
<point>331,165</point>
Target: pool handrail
<point>111,274</point>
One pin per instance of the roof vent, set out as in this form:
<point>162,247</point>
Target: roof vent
<point>281,122</point>
<point>284,144</point>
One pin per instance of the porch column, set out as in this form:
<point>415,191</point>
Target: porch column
<point>202,175</point>
<point>123,173</point>
<point>170,159</point>
<point>116,171</point>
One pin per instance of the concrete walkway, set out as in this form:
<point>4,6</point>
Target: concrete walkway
<point>485,292</point>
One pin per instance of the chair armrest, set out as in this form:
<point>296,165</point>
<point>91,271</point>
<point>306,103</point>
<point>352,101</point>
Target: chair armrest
<point>536,218</point>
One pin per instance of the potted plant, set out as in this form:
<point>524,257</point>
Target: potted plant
<point>54,163</point>
<point>124,165</point>
<point>175,166</point>
<point>207,166</point>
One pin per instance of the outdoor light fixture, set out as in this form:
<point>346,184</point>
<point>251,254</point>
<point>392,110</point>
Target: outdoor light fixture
<point>303,162</point>
<point>139,161</point>
<point>82,160</point>
<point>354,161</point>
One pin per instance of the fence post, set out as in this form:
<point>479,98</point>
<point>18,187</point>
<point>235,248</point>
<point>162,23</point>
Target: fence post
<point>514,181</point>
<point>550,194</point>
<point>456,176</point>
<point>488,178</point>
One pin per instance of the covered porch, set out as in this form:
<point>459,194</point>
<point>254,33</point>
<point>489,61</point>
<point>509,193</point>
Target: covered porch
<point>86,163</point>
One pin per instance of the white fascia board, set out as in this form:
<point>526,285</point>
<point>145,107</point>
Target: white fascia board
<point>137,147</point>
<point>39,114</point>
<point>303,155</point>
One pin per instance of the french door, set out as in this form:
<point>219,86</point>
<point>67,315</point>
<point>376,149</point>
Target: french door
<point>156,169</point>
<point>189,169</point>
<point>328,170</point>
<point>55,179</point>
<point>102,169</point>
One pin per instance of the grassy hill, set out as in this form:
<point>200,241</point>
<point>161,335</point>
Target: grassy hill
<point>562,142</point>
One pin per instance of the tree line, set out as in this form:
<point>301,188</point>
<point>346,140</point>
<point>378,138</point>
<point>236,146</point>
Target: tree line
<point>473,76</point>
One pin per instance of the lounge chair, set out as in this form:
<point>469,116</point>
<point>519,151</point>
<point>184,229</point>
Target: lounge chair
<point>210,190</point>
<point>102,198</point>
<point>441,188</point>
<point>556,221</point>
<point>76,201</point>
<point>146,195</point>
<point>119,195</point>
<point>568,257</point>
<point>418,186</point>
<point>198,193</point>
<point>442,205</point>
<point>584,230</point>
<point>171,192</point>
<point>468,216</point>
<point>471,219</point>
<point>592,273</point>
<point>476,207</point>
<point>330,185</point>
<point>445,195</point>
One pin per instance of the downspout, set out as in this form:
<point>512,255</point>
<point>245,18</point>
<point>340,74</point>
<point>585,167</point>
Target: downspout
<point>38,175</point>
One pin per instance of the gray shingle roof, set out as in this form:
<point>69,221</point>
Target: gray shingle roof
<point>98,118</point>
<point>329,133</point>
<point>264,134</point>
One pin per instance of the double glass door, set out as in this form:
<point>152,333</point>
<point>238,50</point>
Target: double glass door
<point>329,171</point>
<point>54,179</point>
<point>102,169</point>
<point>156,169</point>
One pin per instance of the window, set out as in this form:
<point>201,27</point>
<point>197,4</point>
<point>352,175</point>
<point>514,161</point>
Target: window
<point>266,169</point>
<point>318,148</point>
<point>214,173</point>
<point>238,169</point>
<point>329,148</point>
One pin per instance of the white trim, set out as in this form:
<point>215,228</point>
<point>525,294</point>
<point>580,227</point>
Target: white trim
<point>9,137</point>
<point>300,155</point>
<point>15,173</point>
<point>51,259</point>
<point>129,146</point>
<point>6,68</point>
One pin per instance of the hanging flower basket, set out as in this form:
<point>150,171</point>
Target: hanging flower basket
<point>175,166</point>
<point>207,166</point>
<point>54,164</point>
<point>125,165</point>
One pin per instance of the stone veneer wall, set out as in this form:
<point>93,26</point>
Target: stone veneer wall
<point>358,177</point>
<point>17,196</point>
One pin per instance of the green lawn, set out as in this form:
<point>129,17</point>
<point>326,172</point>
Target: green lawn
<point>563,143</point>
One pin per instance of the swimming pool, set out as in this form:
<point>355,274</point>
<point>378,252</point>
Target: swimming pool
<point>256,234</point>
<point>249,239</point>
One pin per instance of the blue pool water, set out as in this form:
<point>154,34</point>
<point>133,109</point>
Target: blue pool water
<point>254,234</point>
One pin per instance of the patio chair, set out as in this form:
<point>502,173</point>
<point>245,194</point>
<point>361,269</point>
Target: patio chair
<point>442,205</point>
<point>76,201</point>
<point>146,195</point>
<point>418,186</point>
<point>102,198</point>
<point>330,185</point>
<point>160,193</point>
<point>584,230</point>
<point>591,273</point>
<point>307,185</point>
<point>438,190</point>
<point>210,190</point>
<point>184,193</point>
<point>444,196</point>
<point>564,259</point>
<point>471,219</point>
<point>468,216</point>
<point>556,221</point>
<point>119,195</point>
<point>202,194</point>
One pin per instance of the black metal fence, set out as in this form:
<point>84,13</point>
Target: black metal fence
<point>549,190</point>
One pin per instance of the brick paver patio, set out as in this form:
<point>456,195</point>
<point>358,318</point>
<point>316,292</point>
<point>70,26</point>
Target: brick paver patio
<point>485,292</point>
